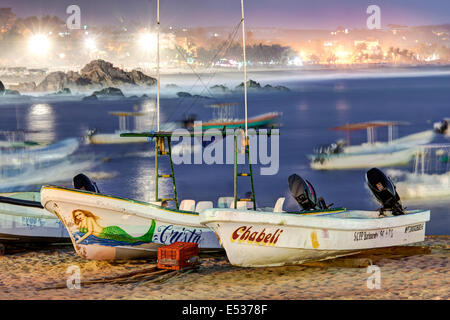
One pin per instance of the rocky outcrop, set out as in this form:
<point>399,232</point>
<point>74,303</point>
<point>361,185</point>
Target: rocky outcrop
<point>2,89</point>
<point>63,92</point>
<point>142,79</point>
<point>109,92</point>
<point>250,85</point>
<point>253,85</point>
<point>104,73</point>
<point>88,98</point>
<point>220,88</point>
<point>57,81</point>
<point>96,74</point>
<point>183,94</point>
<point>276,88</point>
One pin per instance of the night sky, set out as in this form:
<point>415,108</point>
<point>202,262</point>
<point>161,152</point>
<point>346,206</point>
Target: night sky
<point>304,14</point>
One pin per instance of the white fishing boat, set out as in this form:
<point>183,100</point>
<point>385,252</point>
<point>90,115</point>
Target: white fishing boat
<point>51,152</point>
<point>95,137</point>
<point>23,219</point>
<point>361,161</point>
<point>253,238</point>
<point>262,239</point>
<point>18,144</point>
<point>16,139</point>
<point>39,174</point>
<point>104,227</point>
<point>430,177</point>
<point>342,155</point>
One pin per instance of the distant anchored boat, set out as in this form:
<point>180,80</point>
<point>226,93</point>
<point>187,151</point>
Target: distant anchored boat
<point>342,155</point>
<point>95,137</point>
<point>224,117</point>
<point>430,178</point>
<point>56,151</point>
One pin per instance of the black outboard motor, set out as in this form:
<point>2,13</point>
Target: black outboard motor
<point>304,193</point>
<point>188,122</point>
<point>384,191</point>
<point>441,127</point>
<point>82,182</point>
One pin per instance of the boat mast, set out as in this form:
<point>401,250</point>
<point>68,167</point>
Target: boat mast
<point>246,142</point>
<point>157,66</point>
<point>245,69</point>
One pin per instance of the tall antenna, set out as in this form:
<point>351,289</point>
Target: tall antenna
<point>245,67</point>
<point>157,66</point>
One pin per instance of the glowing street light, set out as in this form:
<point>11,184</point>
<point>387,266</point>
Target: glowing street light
<point>39,44</point>
<point>147,41</point>
<point>90,44</point>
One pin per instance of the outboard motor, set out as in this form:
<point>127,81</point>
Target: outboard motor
<point>304,193</point>
<point>384,191</point>
<point>188,122</point>
<point>441,127</point>
<point>82,182</point>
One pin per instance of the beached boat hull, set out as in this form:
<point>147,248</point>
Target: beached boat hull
<point>129,229</point>
<point>261,239</point>
<point>361,161</point>
<point>22,221</point>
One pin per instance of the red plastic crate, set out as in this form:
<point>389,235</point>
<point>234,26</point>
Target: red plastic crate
<point>178,255</point>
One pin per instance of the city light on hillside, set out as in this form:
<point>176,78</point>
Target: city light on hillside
<point>39,44</point>
<point>147,41</point>
<point>341,54</point>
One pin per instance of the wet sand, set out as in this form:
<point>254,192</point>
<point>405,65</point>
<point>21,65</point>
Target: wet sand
<point>421,276</point>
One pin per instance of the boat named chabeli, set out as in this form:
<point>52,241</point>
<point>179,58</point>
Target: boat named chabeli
<point>264,237</point>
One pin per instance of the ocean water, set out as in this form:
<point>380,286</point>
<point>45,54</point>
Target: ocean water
<point>310,109</point>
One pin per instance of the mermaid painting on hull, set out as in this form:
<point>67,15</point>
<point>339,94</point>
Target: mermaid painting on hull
<point>88,226</point>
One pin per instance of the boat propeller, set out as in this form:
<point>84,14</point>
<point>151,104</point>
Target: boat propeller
<point>303,191</point>
<point>384,191</point>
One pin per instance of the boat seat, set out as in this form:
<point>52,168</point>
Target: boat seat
<point>187,205</point>
<point>225,202</point>
<point>202,205</point>
<point>242,205</point>
<point>279,205</point>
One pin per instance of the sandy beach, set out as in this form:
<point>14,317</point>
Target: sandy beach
<point>42,274</point>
